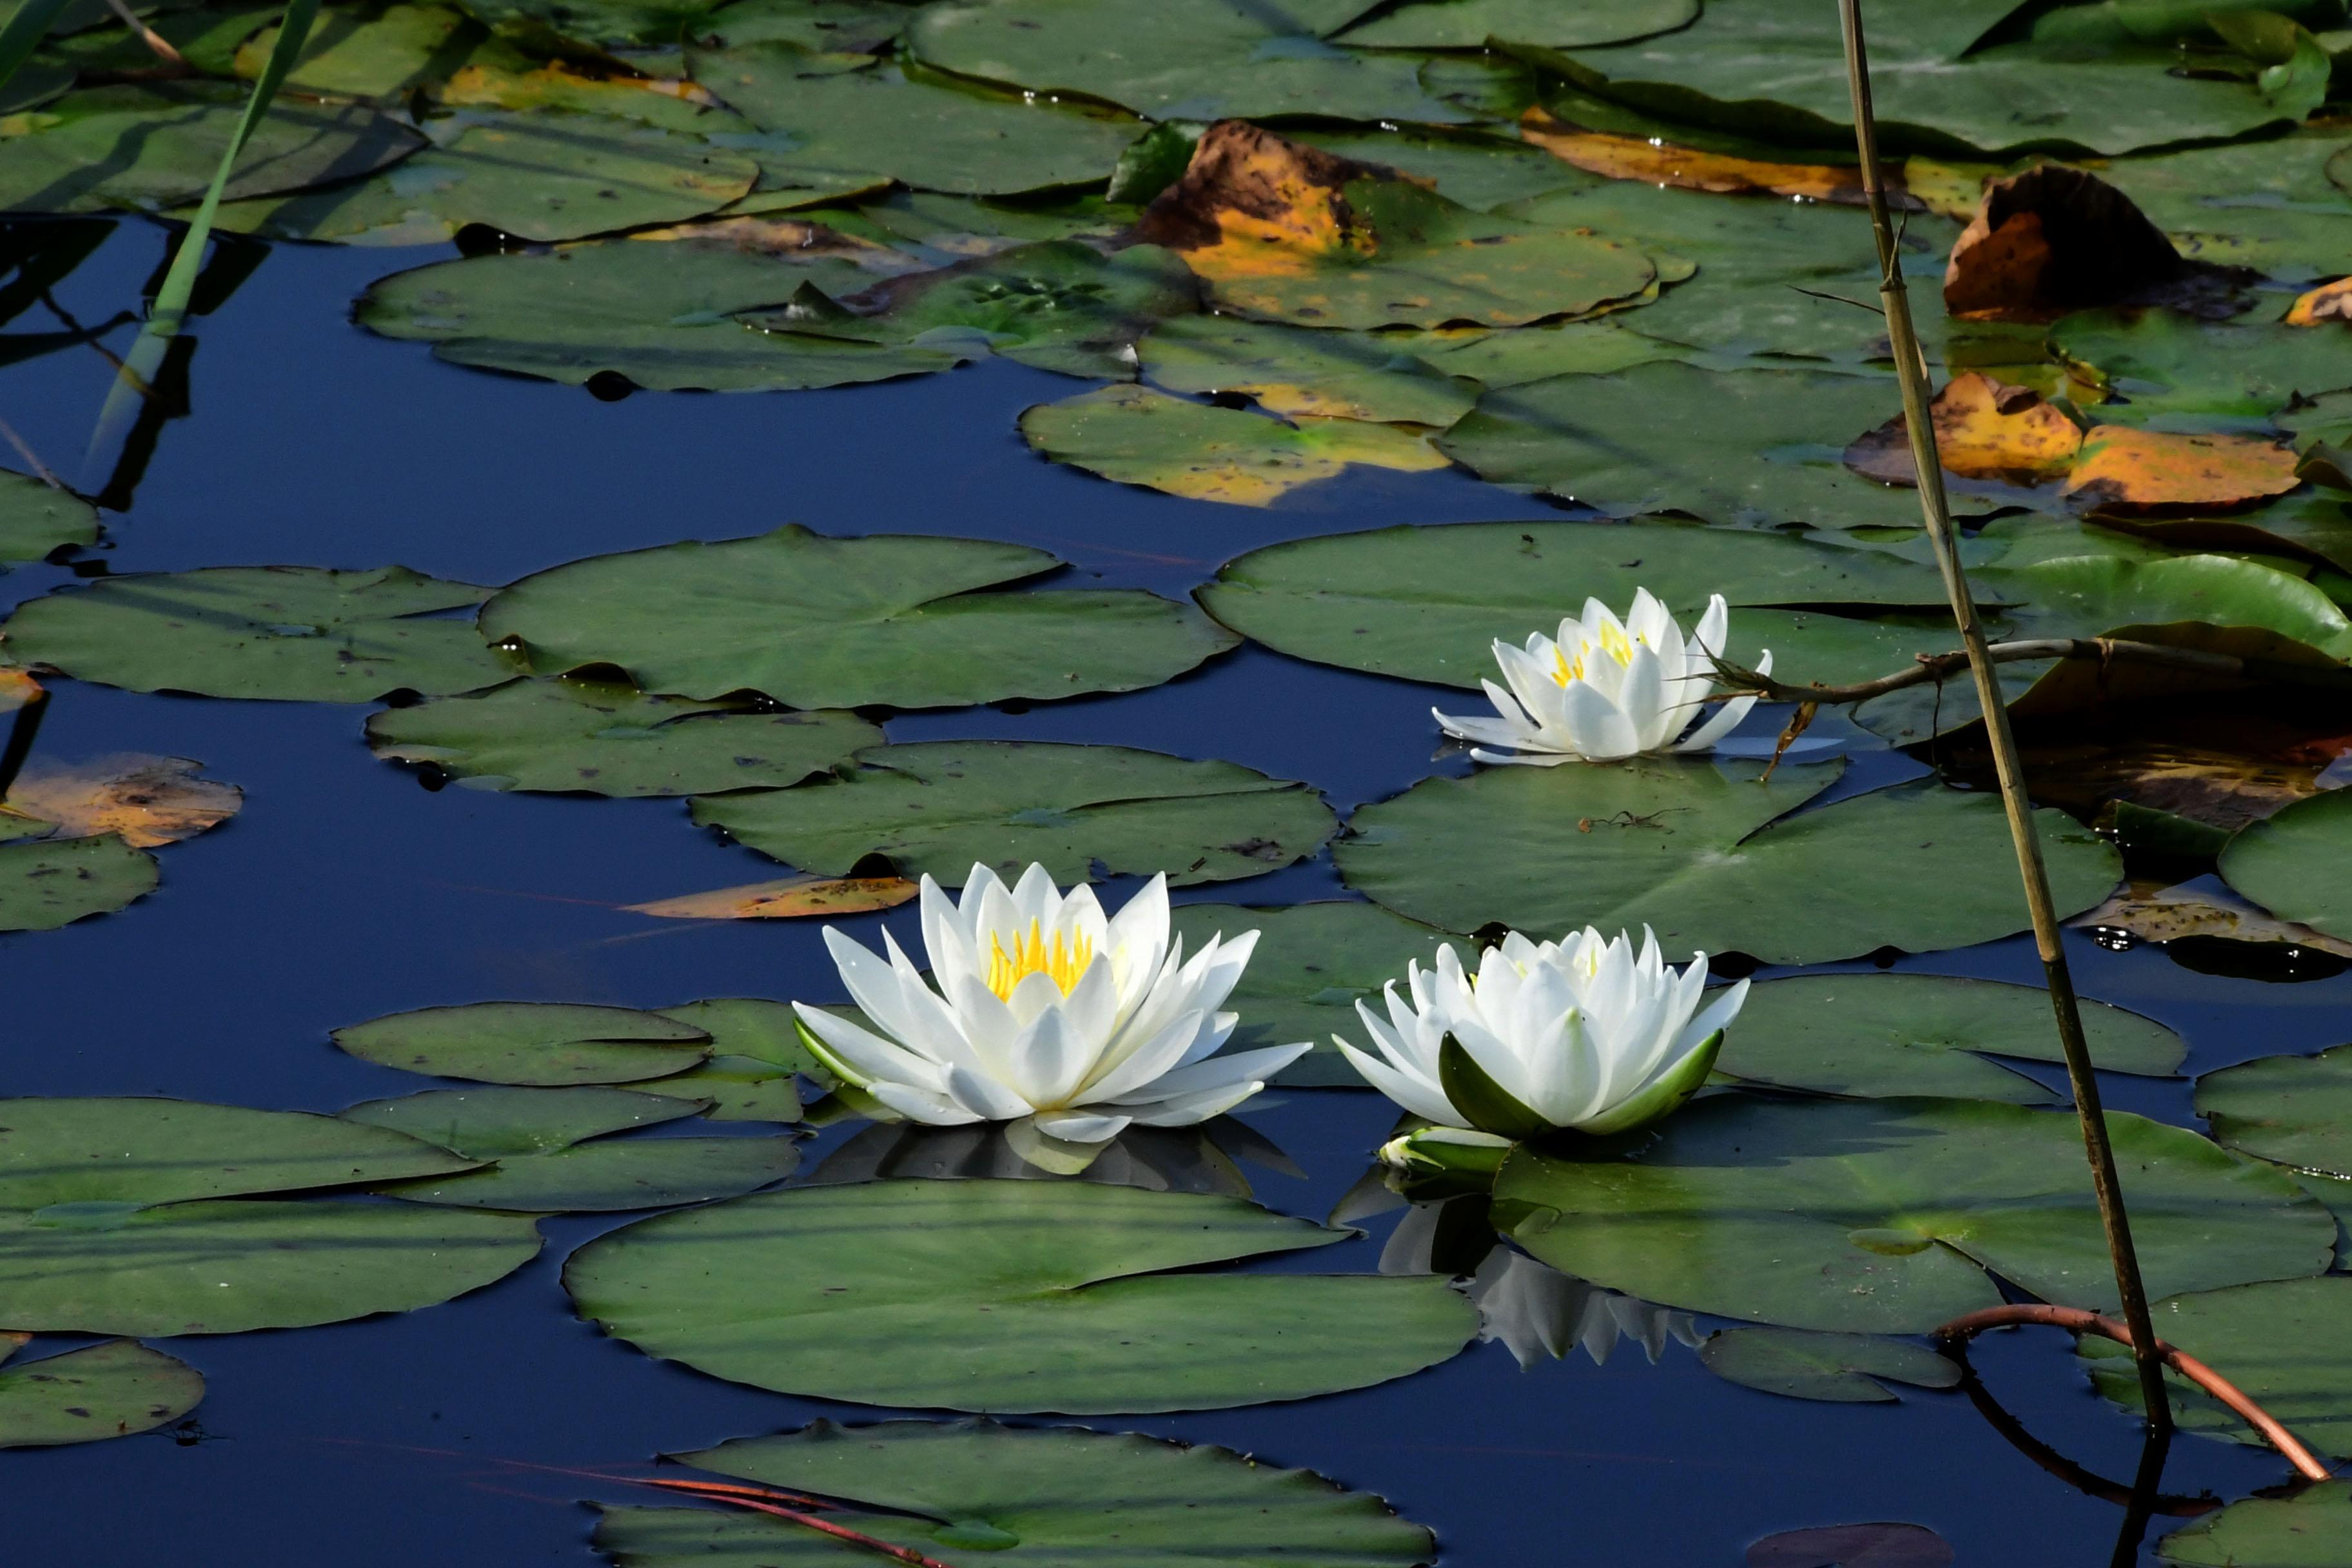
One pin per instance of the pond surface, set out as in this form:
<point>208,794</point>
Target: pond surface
<point>459,1434</point>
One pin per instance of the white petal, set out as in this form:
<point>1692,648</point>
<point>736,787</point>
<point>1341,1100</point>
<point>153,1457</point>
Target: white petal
<point>1081,1126</point>
<point>923,1105</point>
<point>871,1057</point>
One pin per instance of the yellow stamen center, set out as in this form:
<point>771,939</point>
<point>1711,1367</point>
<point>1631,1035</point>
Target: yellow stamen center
<point>1064,961</point>
<point>1614,643</point>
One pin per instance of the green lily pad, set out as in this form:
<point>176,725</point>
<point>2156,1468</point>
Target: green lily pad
<point>1880,1035</point>
<point>1007,1296</point>
<point>813,622</point>
<point>52,882</point>
<point>157,145</point>
<point>1705,854</point>
<point>528,1043</point>
<point>81,1162</point>
<point>1468,24</point>
<point>37,518</point>
<point>2281,1341</point>
<point>231,1266</point>
<point>290,633</point>
<point>2295,863</point>
<point>613,22</point>
<point>2179,373</point>
<point>611,1174</point>
<point>374,51</point>
<point>1301,370</point>
<point>2296,1111</point>
<point>1480,170</point>
<point>666,315</point>
<point>1428,603</point>
<point>2305,1531</point>
<point>735,1088</point>
<point>1517,355</point>
<point>756,1064</point>
<point>1632,442</point>
<point>1843,1369</point>
<point>818,26</point>
<point>597,738</point>
<point>546,175</point>
<point>926,131</point>
<point>2266,204</point>
<point>495,1123</point>
<point>1314,962</point>
<point>1053,1497</point>
<point>937,807</point>
<point>1138,436</point>
<point>1880,1216</point>
<point>111,1390</point>
<point>1184,59</point>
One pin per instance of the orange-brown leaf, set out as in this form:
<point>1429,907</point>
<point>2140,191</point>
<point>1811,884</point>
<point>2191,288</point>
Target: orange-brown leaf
<point>1687,168</point>
<point>2328,302</point>
<point>2135,470</point>
<point>788,898</point>
<point>148,800</point>
<point>1985,429</point>
<point>1254,204</point>
<point>17,688</point>
<point>2054,239</point>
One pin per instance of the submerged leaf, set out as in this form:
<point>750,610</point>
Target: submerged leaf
<point>1880,1545</point>
<point>1847,1369</point>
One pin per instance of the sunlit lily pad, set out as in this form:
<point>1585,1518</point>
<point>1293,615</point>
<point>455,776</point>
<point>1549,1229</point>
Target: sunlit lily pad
<point>815,622</point>
<point>2305,1531</point>
<point>602,738</point>
<point>1007,1296</point>
<point>1874,1217</point>
<point>756,1065</point>
<point>293,633</point>
<point>1753,446</point>
<point>529,1043</point>
<point>2214,374</point>
<point>1876,1034</point>
<point>37,518</point>
<point>494,1124</point>
<point>2298,864</point>
<point>1185,60</point>
<point>2281,1341</point>
<point>2296,1111</point>
<point>1468,24</point>
<point>1303,371</point>
<point>1843,1369</point>
<point>50,882</point>
<point>610,1175</point>
<point>376,50</point>
<point>111,1390</point>
<point>1475,168</point>
<point>1693,850</point>
<point>157,145</point>
<point>1042,1497</point>
<point>1138,436</point>
<point>1427,603</point>
<point>937,807</point>
<point>1312,964</point>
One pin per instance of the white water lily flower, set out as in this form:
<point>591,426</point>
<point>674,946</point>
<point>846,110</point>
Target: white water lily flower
<point>1044,1009</point>
<point>1585,1034</point>
<point>1606,690</point>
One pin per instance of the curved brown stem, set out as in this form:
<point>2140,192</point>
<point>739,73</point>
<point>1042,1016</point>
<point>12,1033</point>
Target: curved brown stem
<point>1942,666</point>
<point>2074,1320</point>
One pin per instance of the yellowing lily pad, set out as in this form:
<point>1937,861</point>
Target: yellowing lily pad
<point>1984,430</point>
<point>2124,469</point>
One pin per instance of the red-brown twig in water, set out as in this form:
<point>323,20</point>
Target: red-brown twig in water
<point>2074,1320</point>
<point>754,1499</point>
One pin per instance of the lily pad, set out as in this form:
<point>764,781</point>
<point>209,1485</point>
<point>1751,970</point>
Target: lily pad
<point>37,518</point>
<point>1774,442</point>
<point>2266,203</point>
<point>1007,1296</point>
<point>290,634</point>
<point>1879,1034</point>
<point>1313,964</point>
<point>112,1390</point>
<point>601,739</point>
<point>937,807</point>
<point>2305,1531</point>
<point>1472,167</point>
<point>1184,59</point>
<point>756,1065</point>
<point>893,619</point>
<point>1427,603</point>
<point>1468,24</point>
<point>157,145</point>
<point>373,50</point>
<point>2177,372</point>
<point>1707,854</point>
<point>1843,1369</point>
<point>2281,1341</point>
<point>2296,1111</point>
<point>819,26</point>
<point>148,801</point>
<point>1880,1216</point>
<point>1045,1498</point>
<point>498,1123</point>
<point>1138,436</point>
<point>528,1043</point>
<point>50,882</point>
<point>611,1174</point>
<point>2295,864</point>
<point>1299,371</point>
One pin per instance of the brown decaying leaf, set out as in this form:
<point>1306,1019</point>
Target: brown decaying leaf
<point>2221,788</point>
<point>2124,469</point>
<point>1687,168</point>
<point>148,800</point>
<point>1985,429</point>
<point>1883,1545</point>
<point>2054,239</point>
<point>2327,303</point>
<point>1251,203</point>
<point>788,898</point>
<point>2153,912</point>
<point>16,689</point>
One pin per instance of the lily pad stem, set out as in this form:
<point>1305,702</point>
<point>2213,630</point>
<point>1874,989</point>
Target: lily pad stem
<point>2074,1320</point>
<point>1940,666</point>
<point>1911,371</point>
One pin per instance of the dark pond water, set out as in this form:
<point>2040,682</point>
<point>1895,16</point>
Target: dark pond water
<point>345,890</point>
